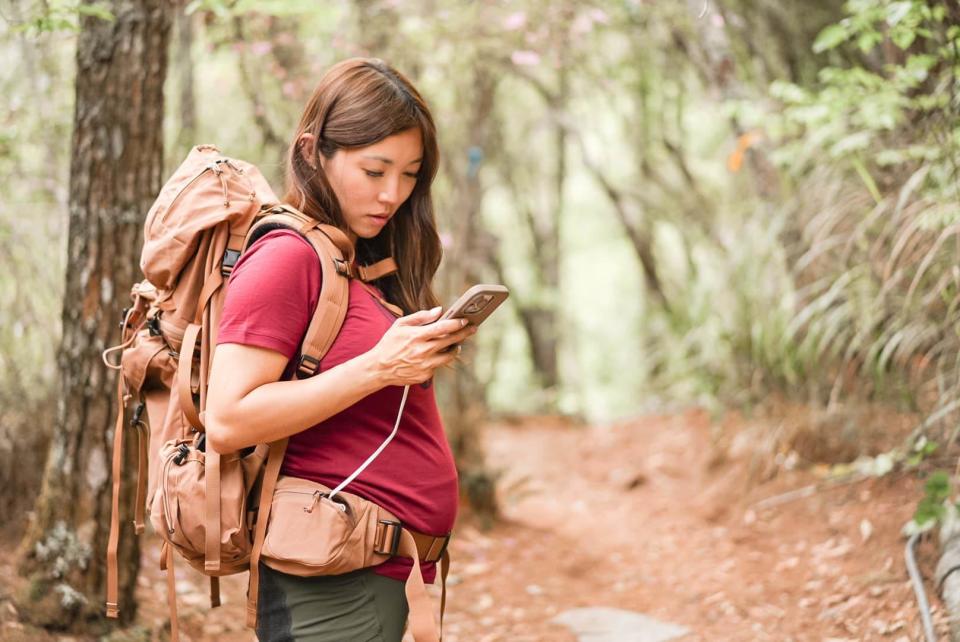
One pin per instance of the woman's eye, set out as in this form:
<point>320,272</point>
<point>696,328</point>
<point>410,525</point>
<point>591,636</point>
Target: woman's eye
<point>373,173</point>
<point>412,175</point>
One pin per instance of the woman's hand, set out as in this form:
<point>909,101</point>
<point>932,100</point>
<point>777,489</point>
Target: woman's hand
<point>416,345</point>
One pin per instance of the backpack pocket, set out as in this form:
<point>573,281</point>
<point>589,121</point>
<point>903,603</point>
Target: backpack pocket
<point>179,511</point>
<point>147,363</point>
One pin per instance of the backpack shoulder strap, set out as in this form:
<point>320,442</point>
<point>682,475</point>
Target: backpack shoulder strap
<point>335,251</point>
<point>333,248</point>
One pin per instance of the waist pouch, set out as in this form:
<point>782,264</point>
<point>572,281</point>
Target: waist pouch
<point>310,534</point>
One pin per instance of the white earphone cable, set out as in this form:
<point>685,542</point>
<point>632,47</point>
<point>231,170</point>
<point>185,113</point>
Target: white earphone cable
<point>353,475</point>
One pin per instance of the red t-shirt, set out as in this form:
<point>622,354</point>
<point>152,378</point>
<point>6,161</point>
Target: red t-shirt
<point>273,291</point>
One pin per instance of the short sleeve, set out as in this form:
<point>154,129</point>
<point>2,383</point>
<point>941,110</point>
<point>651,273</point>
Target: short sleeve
<point>272,293</point>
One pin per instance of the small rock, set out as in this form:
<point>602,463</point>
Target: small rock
<point>483,603</point>
<point>813,585</point>
<point>866,530</point>
<point>601,624</point>
<point>715,597</point>
<point>475,568</point>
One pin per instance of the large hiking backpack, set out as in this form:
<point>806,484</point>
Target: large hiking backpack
<point>204,504</point>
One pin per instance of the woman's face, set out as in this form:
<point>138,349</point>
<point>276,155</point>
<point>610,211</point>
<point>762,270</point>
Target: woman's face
<point>372,182</point>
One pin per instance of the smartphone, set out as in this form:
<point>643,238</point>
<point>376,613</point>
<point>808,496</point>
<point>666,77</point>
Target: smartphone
<point>477,303</point>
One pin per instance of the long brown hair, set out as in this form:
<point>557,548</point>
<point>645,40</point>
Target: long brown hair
<point>359,102</point>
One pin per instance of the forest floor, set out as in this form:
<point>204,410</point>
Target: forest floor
<point>657,515</point>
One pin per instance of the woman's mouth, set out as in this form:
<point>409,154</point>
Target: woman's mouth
<point>380,218</point>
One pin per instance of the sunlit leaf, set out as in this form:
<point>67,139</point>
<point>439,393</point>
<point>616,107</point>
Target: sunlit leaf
<point>830,38</point>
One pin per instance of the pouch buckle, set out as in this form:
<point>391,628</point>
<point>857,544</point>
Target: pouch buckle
<point>387,539</point>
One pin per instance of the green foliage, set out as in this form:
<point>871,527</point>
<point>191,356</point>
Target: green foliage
<point>234,8</point>
<point>932,508</point>
<point>864,108</point>
<point>922,449</point>
<point>870,22</point>
<point>886,127</point>
<point>62,15</point>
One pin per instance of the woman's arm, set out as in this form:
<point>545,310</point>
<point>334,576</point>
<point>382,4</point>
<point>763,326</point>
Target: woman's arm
<point>247,404</point>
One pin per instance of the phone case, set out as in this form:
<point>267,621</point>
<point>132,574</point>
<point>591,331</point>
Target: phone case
<point>477,303</point>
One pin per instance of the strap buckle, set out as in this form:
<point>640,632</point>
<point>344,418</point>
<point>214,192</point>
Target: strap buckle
<point>230,258</point>
<point>387,539</point>
<point>343,268</point>
<point>429,556</point>
<point>308,366</point>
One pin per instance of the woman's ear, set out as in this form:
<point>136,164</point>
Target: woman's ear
<point>306,147</point>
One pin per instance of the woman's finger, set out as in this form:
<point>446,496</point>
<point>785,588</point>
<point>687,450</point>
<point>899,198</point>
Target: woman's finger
<point>421,317</point>
<point>441,359</point>
<point>442,328</point>
<point>443,342</point>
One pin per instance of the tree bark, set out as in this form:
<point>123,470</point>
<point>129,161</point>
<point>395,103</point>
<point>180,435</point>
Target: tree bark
<point>115,173</point>
<point>464,393</point>
<point>183,64</point>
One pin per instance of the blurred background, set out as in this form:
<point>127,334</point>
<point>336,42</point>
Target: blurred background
<point>740,215</point>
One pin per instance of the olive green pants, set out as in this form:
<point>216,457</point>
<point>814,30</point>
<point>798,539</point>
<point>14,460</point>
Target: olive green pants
<point>354,607</point>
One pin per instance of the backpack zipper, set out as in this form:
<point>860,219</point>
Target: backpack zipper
<point>166,478</point>
<point>166,492</point>
<point>213,166</point>
<point>177,197</point>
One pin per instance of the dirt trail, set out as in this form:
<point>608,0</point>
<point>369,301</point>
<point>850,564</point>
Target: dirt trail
<point>636,517</point>
<point>641,516</point>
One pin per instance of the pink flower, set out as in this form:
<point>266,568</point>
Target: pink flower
<point>261,48</point>
<point>599,15</point>
<point>446,240</point>
<point>525,58</point>
<point>515,21</point>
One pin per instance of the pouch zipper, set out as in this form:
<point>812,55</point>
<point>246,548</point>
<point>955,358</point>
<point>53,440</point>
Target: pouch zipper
<point>315,495</point>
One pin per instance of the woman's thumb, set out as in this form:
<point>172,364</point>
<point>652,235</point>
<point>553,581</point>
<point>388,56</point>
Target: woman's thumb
<point>420,317</point>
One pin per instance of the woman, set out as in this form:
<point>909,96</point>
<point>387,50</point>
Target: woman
<point>363,159</point>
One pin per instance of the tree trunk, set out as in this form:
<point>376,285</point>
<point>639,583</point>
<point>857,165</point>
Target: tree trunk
<point>464,393</point>
<point>115,172</point>
<point>183,63</point>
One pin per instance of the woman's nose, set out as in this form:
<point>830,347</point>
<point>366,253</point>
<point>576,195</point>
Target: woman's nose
<point>388,195</point>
